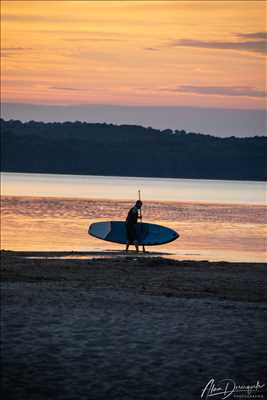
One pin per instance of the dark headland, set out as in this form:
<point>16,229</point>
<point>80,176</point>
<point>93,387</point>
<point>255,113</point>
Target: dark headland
<point>129,150</point>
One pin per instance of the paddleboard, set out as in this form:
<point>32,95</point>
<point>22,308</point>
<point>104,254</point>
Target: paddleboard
<point>147,234</point>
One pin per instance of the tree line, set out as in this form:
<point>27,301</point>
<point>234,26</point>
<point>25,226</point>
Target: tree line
<point>128,150</point>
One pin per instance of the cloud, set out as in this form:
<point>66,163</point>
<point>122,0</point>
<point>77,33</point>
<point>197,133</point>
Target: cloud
<point>68,19</point>
<point>40,18</point>
<point>93,39</point>
<point>11,51</point>
<point>151,49</point>
<point>240,91</point>
<point>72,89</point>
<point>256,46</point>
<point>255,42</point>
<point>255,35</point>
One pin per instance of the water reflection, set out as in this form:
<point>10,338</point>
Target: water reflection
<point>210,231</point>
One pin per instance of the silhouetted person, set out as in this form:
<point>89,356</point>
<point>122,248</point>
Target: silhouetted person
<point>131,221</point>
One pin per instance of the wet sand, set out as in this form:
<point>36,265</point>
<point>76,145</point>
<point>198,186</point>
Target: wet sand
<point>129,327</point>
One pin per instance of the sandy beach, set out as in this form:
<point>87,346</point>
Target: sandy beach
<point>129,327</point>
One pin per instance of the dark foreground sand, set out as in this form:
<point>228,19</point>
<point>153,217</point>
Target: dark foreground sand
<point>130,327</point>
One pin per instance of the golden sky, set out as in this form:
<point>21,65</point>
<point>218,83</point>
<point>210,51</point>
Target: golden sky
<point>165,53</point>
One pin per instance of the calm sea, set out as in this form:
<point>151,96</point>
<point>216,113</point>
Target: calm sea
<point>217,220</point>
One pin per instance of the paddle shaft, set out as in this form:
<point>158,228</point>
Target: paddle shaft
<point>140,214</point>
<point>139,198</point>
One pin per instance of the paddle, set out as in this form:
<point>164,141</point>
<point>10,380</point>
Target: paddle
<point>140,214</point>
<point>139,198</point>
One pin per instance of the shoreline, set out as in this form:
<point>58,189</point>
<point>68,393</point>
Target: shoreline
<point>151,274</point>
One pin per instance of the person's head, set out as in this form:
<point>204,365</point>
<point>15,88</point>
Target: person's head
<point>138,204</point>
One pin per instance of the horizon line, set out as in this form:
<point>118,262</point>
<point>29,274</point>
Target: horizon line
<point>130,106</point>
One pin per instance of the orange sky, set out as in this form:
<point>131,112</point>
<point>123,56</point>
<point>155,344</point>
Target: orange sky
<point>164,53</point>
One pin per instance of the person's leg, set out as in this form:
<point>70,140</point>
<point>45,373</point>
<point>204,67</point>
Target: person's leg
<point>135,242</point>
<point>130,236</point>
<point>144,250</point>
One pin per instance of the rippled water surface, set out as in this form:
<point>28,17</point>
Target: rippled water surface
<point>207,231</point>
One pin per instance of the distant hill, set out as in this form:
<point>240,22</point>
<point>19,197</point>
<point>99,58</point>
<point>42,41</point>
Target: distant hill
<point>128,150</point>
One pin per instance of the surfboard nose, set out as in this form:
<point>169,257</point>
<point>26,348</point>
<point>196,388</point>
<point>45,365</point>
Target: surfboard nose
<point>100,229</point>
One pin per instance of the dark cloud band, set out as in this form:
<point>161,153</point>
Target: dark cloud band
<point>243,91</point>
<point>256,46</point>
